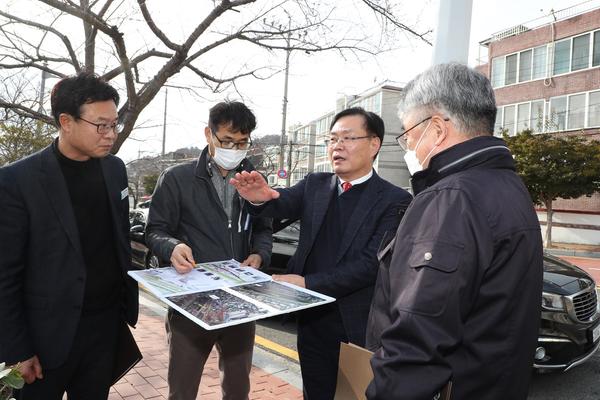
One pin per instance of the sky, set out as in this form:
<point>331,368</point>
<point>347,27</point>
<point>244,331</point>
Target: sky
<point>315,80</point>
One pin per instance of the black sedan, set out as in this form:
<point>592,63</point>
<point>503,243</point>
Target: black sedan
<point>570,328</point>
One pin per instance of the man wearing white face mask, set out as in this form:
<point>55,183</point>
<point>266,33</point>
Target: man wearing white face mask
<point>196,216</point>
<point>458,294</point>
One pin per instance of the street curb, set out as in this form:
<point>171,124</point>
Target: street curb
<point>574,253</point>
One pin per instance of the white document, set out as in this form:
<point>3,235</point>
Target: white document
<point>167,281</point>
<point>220,294</point>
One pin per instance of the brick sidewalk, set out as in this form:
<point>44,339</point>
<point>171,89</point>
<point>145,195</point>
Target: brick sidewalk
<point>148,379</point>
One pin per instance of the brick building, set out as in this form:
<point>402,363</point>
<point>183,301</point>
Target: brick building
<point>546,78</point>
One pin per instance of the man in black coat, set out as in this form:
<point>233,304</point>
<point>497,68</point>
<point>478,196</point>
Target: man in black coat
<point>196,216</point>
<point>458,295</point>
<point>64,292</point>
<point>344,217</point>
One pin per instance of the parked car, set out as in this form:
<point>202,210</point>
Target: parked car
<point>570,319</point>
<point>141,256</point>
<point>570,329</point>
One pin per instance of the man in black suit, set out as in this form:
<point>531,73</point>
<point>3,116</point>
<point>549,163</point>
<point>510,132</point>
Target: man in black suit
<point>344,217</point>
<point>64,292</point>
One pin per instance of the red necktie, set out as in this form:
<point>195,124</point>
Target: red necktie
<point>346,186</point>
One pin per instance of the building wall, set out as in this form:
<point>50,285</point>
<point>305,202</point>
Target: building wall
<point>390,163</point>
<point>574,82</point>
<point>303,152</point>
<point>568,227</point>
<point>568,83</point>
<point>322,125</point>
<point>562,29</point>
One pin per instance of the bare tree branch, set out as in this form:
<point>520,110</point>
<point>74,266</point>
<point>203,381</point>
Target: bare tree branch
<point>219,81</point>
<point>307,26</point>
<point>26,112</point>
<point>134,62</point>
<point>159,34</point>
<point>388,16</point>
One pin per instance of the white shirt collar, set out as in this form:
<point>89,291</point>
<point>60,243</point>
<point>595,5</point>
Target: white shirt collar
<point>358,181</point>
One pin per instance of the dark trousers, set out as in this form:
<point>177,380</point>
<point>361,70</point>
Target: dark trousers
<point>320,332</point>
<point>189,348</point>
<point>87,373</point>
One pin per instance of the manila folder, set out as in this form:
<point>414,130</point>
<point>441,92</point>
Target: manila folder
<point>354,372</point>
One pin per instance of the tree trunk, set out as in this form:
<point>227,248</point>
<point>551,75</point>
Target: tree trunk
<point>549,214</point>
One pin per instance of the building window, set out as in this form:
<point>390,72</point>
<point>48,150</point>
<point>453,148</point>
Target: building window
<point>498,72</point>
<point>576,111</point>
<point>321,149</point>
<point>509,120</point>
<point>562,52</point>
<point>522,117</point>
<point>377,103</point>
<point>576,115</point>
<point>567,55</point>
<point>525,65</point>
<point>510,74</point>
<point>596,53</point>
<point>498,124</point>
<point>558,113</point>
<point>581,52</point>
<point>539,62</point>
<point>537,116</point>
<point>594,109</point>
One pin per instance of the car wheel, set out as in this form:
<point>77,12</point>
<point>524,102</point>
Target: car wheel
<point>152,261</point>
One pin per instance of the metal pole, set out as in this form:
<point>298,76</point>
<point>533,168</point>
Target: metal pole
<point>289,166</point>
<point>38,129</point>
<point>164,138</point>
<point>285,99</point>
<point>453,31</point>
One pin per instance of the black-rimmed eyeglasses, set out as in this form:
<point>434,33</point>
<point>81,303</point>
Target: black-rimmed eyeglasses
<point>229,145</point>
<point>401,138</point>
<point>103,129</point>
<point>333,140</point>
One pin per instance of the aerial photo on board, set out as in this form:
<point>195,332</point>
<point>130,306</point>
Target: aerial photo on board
<point>216,307</point>
<point>278,296</point>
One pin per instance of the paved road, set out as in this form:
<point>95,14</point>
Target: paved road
<point>580,383</point>
<point>279,330</point>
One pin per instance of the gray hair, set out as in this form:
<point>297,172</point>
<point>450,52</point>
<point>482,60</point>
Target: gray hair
<point>457,91</point>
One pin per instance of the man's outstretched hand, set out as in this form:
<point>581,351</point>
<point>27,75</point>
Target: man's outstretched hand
<point>253,187</point>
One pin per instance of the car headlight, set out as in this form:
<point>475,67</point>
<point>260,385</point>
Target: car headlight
<point>551,301</point>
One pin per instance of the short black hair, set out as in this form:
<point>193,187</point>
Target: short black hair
<point>373,123</point>
<point>235,113</point>
<point>70,93</point>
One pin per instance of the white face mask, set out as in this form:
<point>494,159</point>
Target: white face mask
<point>228,158</point>
<point>412,162</point>
<point>410,156</point>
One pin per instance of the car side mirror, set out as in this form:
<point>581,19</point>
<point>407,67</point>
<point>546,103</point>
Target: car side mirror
<point>137,229</point>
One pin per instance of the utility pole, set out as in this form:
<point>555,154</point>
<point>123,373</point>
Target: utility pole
<point>38,129</point>
<point>285,101</point>
<point>164,138</point>
<point>289,164</point>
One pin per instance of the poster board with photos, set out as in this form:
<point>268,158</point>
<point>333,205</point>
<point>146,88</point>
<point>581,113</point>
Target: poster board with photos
<point>221,294</point>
